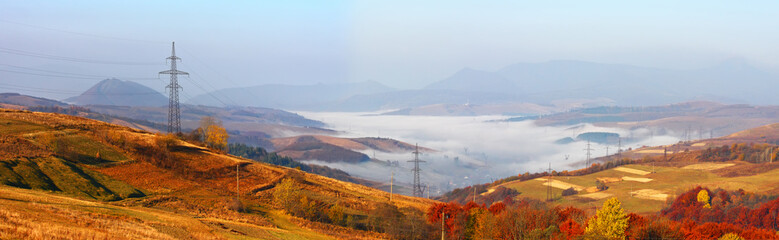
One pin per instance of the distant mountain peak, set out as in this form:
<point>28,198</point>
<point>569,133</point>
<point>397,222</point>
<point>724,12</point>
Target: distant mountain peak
<point>735,63</point>
<point>118,92</point>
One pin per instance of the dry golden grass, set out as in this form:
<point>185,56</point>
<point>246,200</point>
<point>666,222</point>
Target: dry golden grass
<point>631,170</point>
<point>609,179</point>
<point>189,199</point>
<point>635,179</point>
<point>560,184</point>
<point>44,221</point>
<point>708,166</point>
<point>651,194</point>
<point>596,195</point>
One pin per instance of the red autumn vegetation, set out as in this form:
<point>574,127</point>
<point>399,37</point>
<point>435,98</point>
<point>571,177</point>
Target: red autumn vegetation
<point>748,215</point>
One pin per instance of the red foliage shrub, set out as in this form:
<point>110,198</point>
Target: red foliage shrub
<point>571,229</point>
<point>497,208</point>
<point>727,207</point>
<point>571,213</point>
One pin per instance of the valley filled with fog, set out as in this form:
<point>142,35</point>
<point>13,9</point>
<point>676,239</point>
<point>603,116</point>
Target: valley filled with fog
<point>475,149</point>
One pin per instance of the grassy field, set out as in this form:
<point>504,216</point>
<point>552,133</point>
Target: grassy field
<point>29,214</point>
<point>665,180</point>
<point>78,178</point>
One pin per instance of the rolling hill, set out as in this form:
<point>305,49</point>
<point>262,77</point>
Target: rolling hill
<point>335,149</point>
<point>18,100</point>
<point>93,179</point>
<point>645,179</point>
<point>686,120</point>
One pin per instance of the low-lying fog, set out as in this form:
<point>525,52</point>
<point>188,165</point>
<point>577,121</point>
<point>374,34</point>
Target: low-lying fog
<point>472,150</point>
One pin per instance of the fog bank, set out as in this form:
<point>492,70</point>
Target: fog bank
<point>471,150</point>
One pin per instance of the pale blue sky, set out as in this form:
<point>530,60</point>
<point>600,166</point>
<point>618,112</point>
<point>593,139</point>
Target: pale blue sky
<point>403,44</point>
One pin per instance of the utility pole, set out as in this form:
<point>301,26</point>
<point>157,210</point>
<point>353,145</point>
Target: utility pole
<point>392,180</point>
<point>474,193</point>
<point>174,114</point>
<point>588,149</point>
<point>665,154</point>
<point>653,166</point>
<point>549,184</point>
<point>443,220</point>
<point>417,188</point>
<point>237,182</point>
<point>700,132</point>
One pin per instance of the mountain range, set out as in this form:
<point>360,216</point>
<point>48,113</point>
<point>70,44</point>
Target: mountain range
<point>546,83</point>
<point>303,97</point>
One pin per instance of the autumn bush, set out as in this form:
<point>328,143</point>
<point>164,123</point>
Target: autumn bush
<point>701,205</point>
<point>570,191</point>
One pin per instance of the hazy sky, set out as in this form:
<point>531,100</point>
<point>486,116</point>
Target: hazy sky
<point>403,44</point>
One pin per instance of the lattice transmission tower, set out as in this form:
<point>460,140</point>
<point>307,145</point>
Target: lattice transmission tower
<point>417,187</point>
<point>174,114</point>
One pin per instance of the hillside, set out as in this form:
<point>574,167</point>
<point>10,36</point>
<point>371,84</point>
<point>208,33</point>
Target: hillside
<point>119,93</point>
<point>335,149</point>
<point>687,120</point>
<point>24,100</point>
<point>645,179</point>
<point>115,180</point>
<point>767,134</point>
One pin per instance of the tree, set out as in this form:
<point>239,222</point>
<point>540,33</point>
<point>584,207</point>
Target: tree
<point>286,195</point>
<point>703,197</point>
<point>610,221</point>
<point>731,236</point>
<point>214,135</point>
<point>571,229</point>
<point>486,226</point>
<point>570,191</point>
<point>601,185</point>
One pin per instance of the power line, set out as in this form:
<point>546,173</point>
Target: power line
<point>222,76</point>
<point>49,90</point>
<point>206,91</point>
<point>589,154</point>
<point>213,88</point>
<point>65,74</point>
<point>80,33</point>
<point>70,59</point>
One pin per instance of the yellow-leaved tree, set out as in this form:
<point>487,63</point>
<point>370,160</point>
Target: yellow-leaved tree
<point>286,195</point>
<point>730,236</point>
<point>214,135</point>
<point>703,197</point>
<point>611,221</point>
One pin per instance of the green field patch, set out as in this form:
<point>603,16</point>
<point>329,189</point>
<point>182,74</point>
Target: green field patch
<point>82,149</point>
<point>55,174</point>
<point>12,127</point>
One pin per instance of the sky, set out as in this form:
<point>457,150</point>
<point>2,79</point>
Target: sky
<point>402,44</point>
